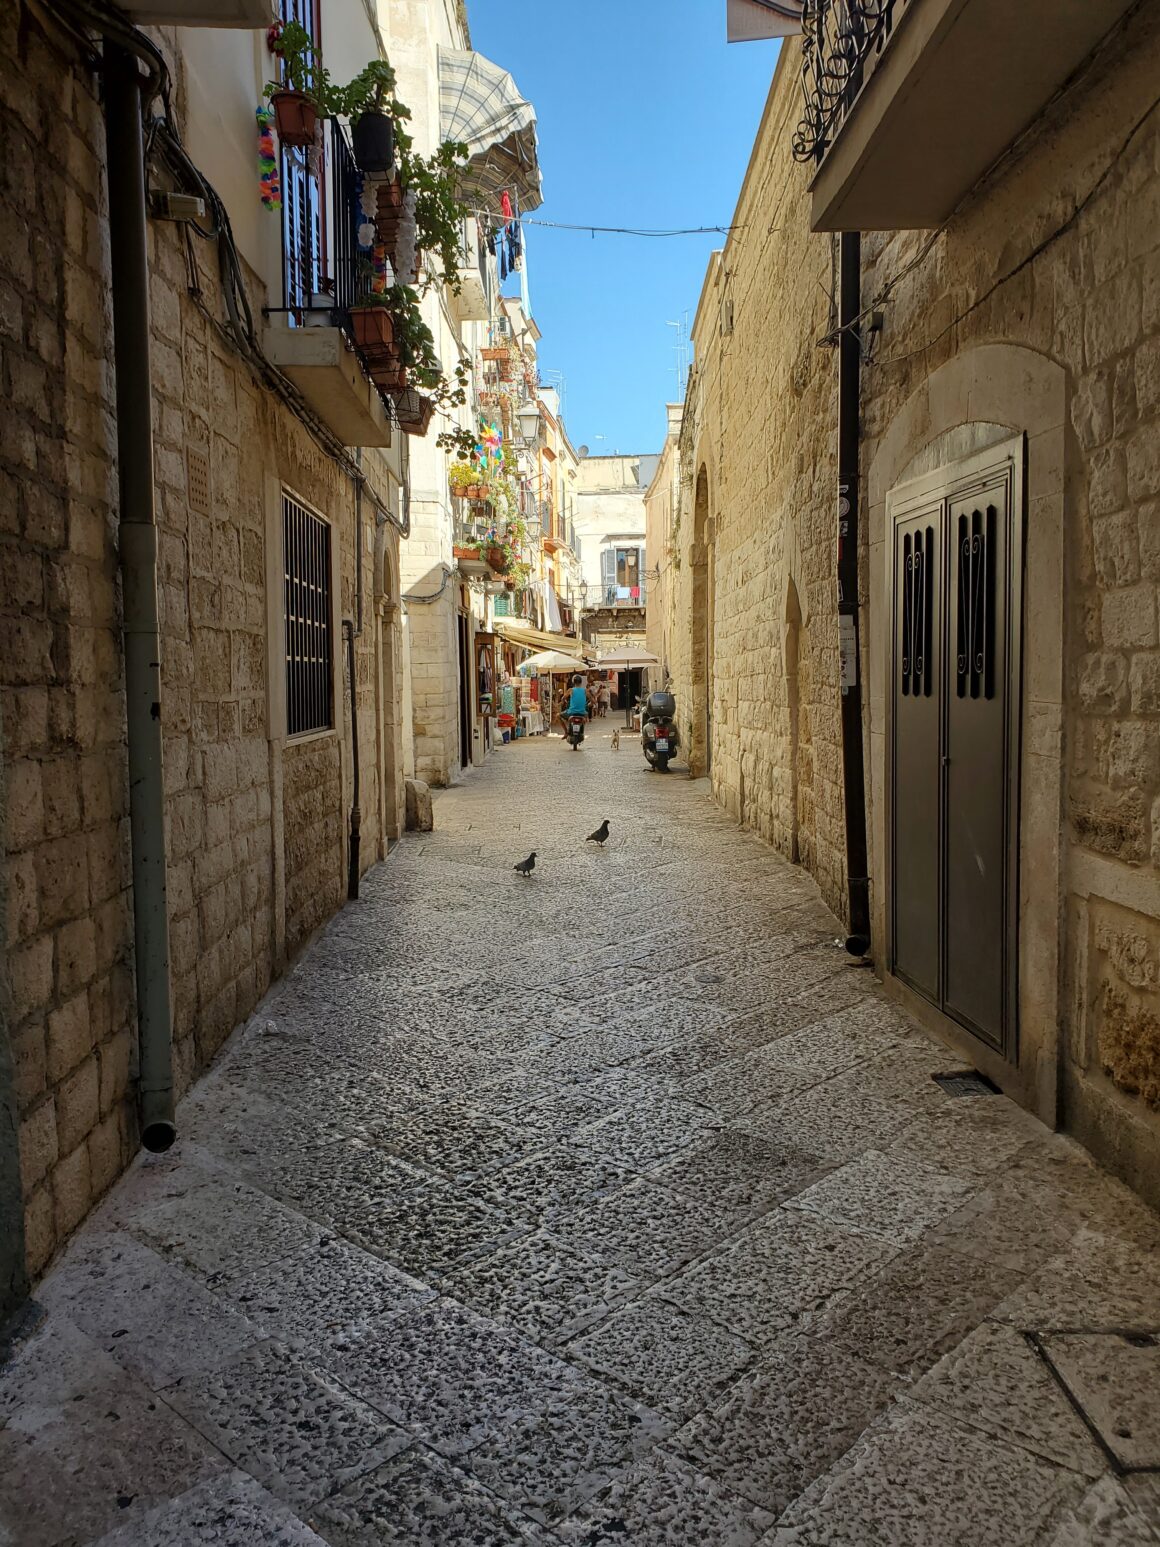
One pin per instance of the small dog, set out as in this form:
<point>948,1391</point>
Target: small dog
<point>616,741</point>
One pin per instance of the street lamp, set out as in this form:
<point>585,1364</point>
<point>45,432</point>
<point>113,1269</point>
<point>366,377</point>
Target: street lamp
<point>529,418</point>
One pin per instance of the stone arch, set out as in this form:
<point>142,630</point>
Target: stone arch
<point>984,395</point>
<point>702,624</point>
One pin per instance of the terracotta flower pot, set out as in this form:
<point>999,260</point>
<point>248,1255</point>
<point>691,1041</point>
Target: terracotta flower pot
<point>389,374</point>
<point>373,328</point>
<point>295,117</point>
<point>414,412</point>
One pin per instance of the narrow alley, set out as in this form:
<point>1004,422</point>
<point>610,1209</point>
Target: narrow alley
<point>654,1227</point>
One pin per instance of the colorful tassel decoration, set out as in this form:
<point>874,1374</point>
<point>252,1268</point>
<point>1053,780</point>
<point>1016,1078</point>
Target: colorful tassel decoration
<point>269,182</point>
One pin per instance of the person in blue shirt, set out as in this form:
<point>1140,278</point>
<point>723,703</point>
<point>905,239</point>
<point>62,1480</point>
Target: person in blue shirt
<point>577,699</point>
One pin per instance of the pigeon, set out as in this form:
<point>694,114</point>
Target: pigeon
<point>600,836</point>
<point>526,866</point>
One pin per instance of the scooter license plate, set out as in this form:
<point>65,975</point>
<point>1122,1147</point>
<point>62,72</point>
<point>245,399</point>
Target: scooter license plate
<point>662,743</point>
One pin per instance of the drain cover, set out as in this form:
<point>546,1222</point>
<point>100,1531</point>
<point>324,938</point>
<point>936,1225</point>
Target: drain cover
<point>966,1082</point>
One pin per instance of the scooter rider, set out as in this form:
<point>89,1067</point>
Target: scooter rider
<point>577,705</point>
<point>577,699</point>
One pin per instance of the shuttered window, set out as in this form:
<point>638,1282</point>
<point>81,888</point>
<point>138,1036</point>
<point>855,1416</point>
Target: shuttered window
<point>309,645</point>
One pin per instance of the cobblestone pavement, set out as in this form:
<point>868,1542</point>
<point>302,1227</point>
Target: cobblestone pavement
<point>611,1205</point>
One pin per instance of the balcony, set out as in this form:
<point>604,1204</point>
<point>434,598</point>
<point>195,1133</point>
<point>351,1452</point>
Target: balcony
<point>250,14</point>
<point>471,304</point>
<point>617,598</point>
<point>909,102</point>
<point>310,337</point>
<point>474,544</point>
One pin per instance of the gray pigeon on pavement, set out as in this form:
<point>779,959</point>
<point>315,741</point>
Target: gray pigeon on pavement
<point>600,836</point>
<point>526,866</point>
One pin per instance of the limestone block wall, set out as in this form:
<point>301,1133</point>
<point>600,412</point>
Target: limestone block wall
<point>751,589</point>
<point>256,826</point>
<point>1037,309</point>
<point>1059,253</point>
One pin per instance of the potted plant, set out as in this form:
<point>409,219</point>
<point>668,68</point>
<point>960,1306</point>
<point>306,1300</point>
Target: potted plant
<point>460,477</point>
<point>304,88</point>
<point>372,127</point>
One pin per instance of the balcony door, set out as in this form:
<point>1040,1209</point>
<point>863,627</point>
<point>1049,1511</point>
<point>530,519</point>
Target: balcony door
<point>302,215</point>
<point>956,552</point>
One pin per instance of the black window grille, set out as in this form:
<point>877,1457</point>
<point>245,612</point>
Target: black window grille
<point>309,676</point>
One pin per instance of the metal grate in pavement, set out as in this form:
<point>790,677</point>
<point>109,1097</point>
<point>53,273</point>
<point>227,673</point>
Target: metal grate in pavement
<point>965,1082</point>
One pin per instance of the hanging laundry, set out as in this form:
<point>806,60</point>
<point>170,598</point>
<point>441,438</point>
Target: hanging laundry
<point>505,204</point>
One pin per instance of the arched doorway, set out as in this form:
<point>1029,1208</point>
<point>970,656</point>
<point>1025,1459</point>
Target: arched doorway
<point>701,754</point>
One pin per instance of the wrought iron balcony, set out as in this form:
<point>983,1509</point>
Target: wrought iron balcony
<point>311,336</point>
<point>840,40</point>
<point>909,103</point>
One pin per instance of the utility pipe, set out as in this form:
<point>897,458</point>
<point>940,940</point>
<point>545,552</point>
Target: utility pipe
<point>138,555</point>
<point>352,631</point>
<point>853,772</point>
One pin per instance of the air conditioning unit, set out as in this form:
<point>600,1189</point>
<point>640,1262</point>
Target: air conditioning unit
<point>250,14</point>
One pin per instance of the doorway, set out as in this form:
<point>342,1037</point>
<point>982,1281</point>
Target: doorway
<point>956,596</point>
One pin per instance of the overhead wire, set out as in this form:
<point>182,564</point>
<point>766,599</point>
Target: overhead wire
<point>563,225</point>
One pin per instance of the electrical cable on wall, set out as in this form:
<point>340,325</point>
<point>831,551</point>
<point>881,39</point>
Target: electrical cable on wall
<point>163,143</point>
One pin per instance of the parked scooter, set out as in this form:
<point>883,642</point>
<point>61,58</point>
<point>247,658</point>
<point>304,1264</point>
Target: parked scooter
<point>575,731</point>
<point>658,731</point>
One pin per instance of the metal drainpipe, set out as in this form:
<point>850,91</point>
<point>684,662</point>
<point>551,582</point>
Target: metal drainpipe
<point>853,772</point>
<point>138,555</point>
<point>353,631</point>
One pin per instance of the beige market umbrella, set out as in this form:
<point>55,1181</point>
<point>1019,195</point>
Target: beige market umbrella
<point>627,659</point>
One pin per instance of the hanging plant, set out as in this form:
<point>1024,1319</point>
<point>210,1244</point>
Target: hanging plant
<point>364,102</point>
<point>304,88</point>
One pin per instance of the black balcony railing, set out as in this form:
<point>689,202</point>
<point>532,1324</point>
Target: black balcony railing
<point>841,39</point>
<point>320,221</point>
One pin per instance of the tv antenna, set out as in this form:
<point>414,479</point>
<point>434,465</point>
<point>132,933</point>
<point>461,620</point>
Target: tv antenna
<point>681,349</point>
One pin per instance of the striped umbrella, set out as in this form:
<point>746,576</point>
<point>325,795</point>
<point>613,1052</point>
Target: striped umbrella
<point>481,105</point>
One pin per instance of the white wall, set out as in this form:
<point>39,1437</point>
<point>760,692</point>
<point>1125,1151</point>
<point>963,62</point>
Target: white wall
<point>223,72</point>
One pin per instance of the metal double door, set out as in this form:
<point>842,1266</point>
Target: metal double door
<point>956,580</point>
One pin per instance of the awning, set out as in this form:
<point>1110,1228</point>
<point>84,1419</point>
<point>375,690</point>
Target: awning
<point>517,633</point>
<point>750,20</point>
<point>627,659</point>
<point>552,660</point>
<point>480,105</point>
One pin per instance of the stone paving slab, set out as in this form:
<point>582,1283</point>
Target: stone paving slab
<point>664,1235</point>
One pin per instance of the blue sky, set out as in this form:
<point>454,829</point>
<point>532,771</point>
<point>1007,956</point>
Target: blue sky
<point>646,118</point>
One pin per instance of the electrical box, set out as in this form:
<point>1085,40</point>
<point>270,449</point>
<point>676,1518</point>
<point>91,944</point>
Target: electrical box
<point>251,14</point>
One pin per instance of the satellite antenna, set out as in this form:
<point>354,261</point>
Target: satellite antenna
<point>582,452</point>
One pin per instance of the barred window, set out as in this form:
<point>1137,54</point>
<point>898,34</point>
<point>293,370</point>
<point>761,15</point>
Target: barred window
<point>309,678</point>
